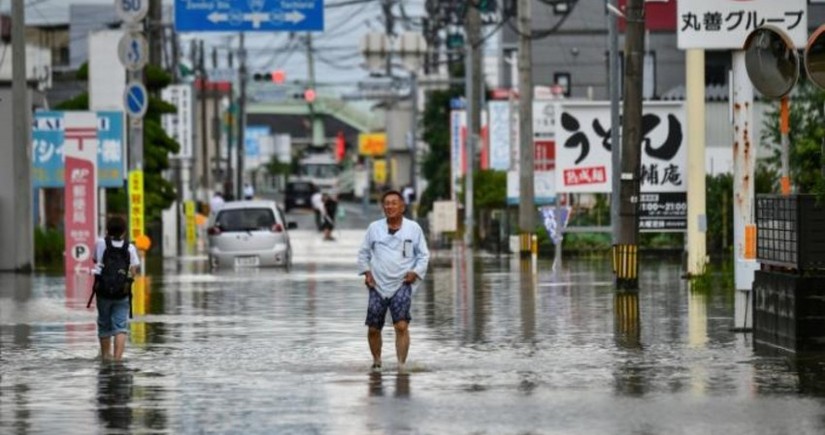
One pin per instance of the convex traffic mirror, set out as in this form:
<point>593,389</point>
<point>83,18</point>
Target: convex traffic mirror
<point>815,57</point>
<point>772,61</point>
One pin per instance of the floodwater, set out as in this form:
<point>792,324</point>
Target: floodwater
<point>494,350</point>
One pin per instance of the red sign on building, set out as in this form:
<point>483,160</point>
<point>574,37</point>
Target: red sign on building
<point>660,16</point>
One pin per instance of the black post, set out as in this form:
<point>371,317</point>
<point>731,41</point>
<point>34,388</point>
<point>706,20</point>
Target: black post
<point>625,251</point>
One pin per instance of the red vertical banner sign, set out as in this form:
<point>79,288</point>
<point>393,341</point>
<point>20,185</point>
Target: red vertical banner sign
<point>80,153</point>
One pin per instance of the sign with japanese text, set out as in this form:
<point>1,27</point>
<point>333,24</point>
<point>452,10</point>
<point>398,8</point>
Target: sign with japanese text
<point>80,220</point>
<point>724,24</point>
<point>499,135</point>
<point>136,224</point>
<point>661,212</point>
<point>48,143</point>
<point>372,144</point>
<point>379,171</point>
<point>583,158</point>
<point>179,125</point>
<point>191,228</point>
<point>458,136</point>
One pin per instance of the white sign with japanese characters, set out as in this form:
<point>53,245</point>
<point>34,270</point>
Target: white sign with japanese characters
<point>583,157</point>
<point>724,24</point>
<point>179,125</point>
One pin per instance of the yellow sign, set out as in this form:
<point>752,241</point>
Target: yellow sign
<point>140,306</point>
<point>136,227</point>
<point>372,144</point>
<point>189,212</point>
<point>379,171</point>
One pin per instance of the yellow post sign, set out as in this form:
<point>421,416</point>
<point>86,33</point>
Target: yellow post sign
<point>136,204</point>
<point>189,212</point>
<point>379,171</point>
<point>372,144</point>
<point>140,306</point>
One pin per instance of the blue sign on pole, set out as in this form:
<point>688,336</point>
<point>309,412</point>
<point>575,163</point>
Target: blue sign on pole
<point>249,15</point>
<point>47,149</point>
<point>252,135</point>
<point>135,99</point>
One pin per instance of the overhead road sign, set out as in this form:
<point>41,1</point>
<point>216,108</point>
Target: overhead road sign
<point>132,11</point>
<point>251,15</point>
<point>133,51</point>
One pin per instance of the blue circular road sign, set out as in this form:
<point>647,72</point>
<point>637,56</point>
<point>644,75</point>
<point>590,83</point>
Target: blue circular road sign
<point>135,99</point>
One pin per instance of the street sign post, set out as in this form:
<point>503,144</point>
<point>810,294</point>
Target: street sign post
<point>135,100</point>
<point>253,15</point>
<point>132,11</point>
<point>133,51</point>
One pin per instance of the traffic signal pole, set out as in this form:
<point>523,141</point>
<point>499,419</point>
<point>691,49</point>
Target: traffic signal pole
<point>241,121</point>
<point>625,251</point>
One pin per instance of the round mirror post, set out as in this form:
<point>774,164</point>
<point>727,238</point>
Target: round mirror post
<point>773,68</point>
<point>784,129</point>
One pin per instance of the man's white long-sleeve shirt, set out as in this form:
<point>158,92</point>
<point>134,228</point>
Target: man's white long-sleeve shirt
<point>390,256</point>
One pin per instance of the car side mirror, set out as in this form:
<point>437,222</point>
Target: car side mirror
<point>291,225</point>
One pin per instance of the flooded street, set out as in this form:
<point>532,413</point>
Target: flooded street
<point>269,351</point>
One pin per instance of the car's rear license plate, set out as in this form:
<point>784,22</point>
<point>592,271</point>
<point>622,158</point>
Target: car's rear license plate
<point>299,201</point>
<point>246,261</point>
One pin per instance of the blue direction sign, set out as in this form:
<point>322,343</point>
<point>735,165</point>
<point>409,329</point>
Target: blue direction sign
<point>135,100</point>
<point>249,15</point>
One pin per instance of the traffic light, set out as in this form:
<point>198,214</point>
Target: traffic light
<point>278,76</point>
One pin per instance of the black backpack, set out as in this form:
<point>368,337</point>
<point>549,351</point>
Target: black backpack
<point>114,281</point>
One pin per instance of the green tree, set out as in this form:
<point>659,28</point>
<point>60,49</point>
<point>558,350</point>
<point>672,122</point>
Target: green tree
<point>807,129</point>
<point>157,145</point>
<point>435,131</point>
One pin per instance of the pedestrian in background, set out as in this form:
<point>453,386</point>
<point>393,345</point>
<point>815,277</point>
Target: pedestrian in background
<point>408,193</point>
<point>317,201</point>
<point>113,307</point>
<point>393,259</point>
<point>330,212</point>
<point>216,202</point>
<point>248,191</point>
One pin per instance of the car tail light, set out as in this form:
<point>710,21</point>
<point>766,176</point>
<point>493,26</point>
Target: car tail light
<point>214,231</point>
<point>277,228</point>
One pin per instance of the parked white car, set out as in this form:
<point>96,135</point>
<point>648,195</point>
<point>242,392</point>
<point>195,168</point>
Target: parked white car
<point>249,234</point>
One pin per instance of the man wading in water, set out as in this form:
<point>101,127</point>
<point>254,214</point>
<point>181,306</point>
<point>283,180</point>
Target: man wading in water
<point>393,259</point>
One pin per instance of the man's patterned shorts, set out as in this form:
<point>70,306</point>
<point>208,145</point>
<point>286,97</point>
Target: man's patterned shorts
<point>398,304</point>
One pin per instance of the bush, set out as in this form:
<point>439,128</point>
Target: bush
<point>49,245</point>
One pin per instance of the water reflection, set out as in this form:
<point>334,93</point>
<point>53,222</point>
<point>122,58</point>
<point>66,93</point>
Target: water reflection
<point>376,384</point>
<point>627,320</point>
<point>495,349</point>
<point>527,300</point>
<point>115,390</point>
<point>402,385</point>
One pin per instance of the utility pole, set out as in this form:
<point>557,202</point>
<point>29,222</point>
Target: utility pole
<point>216,120</point>
<point>154,24</point>
<point>241,121</point>
<point>16,192</point>
<point>615,97</point>
<point>229,181</point>
<point>625,251</point>
<point>526,206</point>
<point>202,92</point>
<point>473,94</point>
<point>318,137</point>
